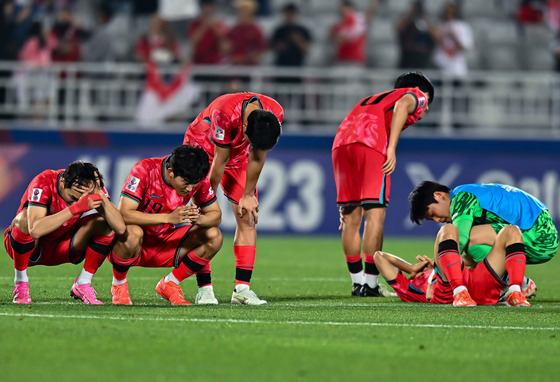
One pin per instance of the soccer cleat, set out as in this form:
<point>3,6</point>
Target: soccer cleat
<point>517,298</point>
<point>530,290</point>
<point>205,296</point>
<point>120,294</point>
<point>86,293</point>
<point>245,296</point>
<point>172,292</point>
<point>357,289</point>
<point>463,298</point>
<point>21,293</point>
<point>378,291</point>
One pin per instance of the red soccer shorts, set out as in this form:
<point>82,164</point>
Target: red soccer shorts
<point>50,252</point>
<point>233,183</point>
<point>358,176</point>
<point>411,290</point>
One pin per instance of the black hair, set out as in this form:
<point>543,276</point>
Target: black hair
<point>81,174</point>
<point>263,129</point>
<point>421,197</point>
<point>290,7</point>
<point>190,163</point>
<point>416,79</point>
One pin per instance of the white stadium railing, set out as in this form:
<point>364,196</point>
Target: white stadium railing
<point>106,95</point>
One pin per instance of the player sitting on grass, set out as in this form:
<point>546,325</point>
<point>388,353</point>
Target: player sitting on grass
<point>172,216</point>
<point>480,211</point>
<point>51,227</point>
<point>485,282</point>
<point>363,157</point>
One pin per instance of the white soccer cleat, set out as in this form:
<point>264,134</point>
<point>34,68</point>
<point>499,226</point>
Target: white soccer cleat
<point>529,289</point>
<point>205,296</point>
<point>245,296</point>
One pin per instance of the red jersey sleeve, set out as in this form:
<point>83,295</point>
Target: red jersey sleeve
<point>136,183</point>
<point>221,129</point>
<point>40,192</point>
<point>421,105</point>
<point>204,195</point>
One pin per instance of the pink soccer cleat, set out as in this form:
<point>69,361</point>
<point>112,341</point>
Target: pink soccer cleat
<point>86,293</point>
<point>21,293</point>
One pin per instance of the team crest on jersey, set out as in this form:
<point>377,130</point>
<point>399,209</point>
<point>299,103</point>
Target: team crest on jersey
<point>210,191</point>
<point>219,133</point>
<point>421,101</point>
<point>37,192</point>
<point>133,184</point>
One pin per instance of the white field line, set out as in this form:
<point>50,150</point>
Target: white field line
<point>265,322</point>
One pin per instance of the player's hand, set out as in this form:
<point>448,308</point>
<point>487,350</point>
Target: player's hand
<point>179,216</point>
<point>85,203</point>
<point>250,205</point>
<point>193,213</point>
<point>391,162</point>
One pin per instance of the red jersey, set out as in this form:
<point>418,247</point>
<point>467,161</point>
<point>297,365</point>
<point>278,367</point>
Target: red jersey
<point>246,39</point>
<point>353,30</point>
<point>369,122</point>
<point>221,124</point>
<point>207,49</point>
<point>44,191</point>
<point>147,186</point>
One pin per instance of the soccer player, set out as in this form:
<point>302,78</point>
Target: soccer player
<point>480,211</point>
<point>52,227</point>
<point>237,130</point>
<point>169,207</point>
<point>363,156</point>
<point>486,281</point>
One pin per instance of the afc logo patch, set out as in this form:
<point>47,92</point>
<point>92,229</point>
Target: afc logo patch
<point>421,101</point>
<point>219,133</point>
<point>132,184</point>
<point>37,192</point>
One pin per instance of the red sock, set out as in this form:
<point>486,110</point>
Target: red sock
<point>244,263</point>
<point>23,246</point>
<point>354,263</point>
<point>190,264</point>
<point>121,266</point>
<point>203,277</point>
<point>450,262</point>
<point>97,250</point>
<point>515,263</point>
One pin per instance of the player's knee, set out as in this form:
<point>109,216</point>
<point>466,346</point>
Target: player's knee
<point>512,233</point>
<point>20,221</point>
<point>378,256</point>
<point>448,232</point>
<point>214,238</point>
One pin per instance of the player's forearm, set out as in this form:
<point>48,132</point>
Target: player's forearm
<point>113,217</point>
<point>144,219</point>
<point>49,224</point>
<point>399,263</point>
<point>209,219</point>
<point>400,115</point>
<point>254,168</point>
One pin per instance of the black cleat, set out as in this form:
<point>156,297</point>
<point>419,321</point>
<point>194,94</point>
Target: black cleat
<point>357,289</point>
<point>378,291</point>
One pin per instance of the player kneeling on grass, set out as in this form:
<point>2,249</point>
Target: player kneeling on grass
<point>452,284</point>
<point>51,227</point>
<point>172,216</point>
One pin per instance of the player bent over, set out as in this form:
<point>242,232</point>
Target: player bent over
<point>480,211</point>
<point>172,216</point>
<point>363,157</point>
<point>236,131</point>
<point>51,227</point>
<point>506,260</point>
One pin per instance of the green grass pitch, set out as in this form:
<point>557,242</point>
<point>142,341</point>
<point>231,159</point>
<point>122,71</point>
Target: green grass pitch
<point>311,329</point>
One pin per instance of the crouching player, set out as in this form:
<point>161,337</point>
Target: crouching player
<point>51,227</point>
<point>506,260</point>
<point>172,216</point>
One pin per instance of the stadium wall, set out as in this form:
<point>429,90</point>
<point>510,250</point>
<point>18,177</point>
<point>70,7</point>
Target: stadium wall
<point>296,189</point>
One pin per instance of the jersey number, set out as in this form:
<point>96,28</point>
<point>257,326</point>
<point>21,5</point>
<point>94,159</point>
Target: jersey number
<point>377,99</point>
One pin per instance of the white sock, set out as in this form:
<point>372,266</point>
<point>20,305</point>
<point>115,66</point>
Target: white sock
<point>21,276</point>
<point>85,278</point>
<point>358,278</point>
<point>171,277</point>
<point>371,280</point>
<point>118,282</point>
<point>459,289</point>
<point>513,288</point>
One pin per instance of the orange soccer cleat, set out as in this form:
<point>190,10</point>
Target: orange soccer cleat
<point>172,292</point>
<point>120,294</point>
<point>463,298</point>
<point>517,298</point>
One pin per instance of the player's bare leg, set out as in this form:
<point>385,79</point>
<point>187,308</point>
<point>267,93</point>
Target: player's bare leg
<point>372,242</point>
<point>245,250</point>
<point>448,261</point>
<point>351,221</point>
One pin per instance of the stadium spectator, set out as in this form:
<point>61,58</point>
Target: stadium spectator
<point>32,78</point>
<point>246,38</point>
<point>21,14</point>
<point>158,44</point>
<point>530,11</point>
<point>208,35</point>
<point>290,40</point>
<point>454,41</point>
<point>100,46</point>
<point>416,35</point>
<point>66,33</point>
<point>349,36</point>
